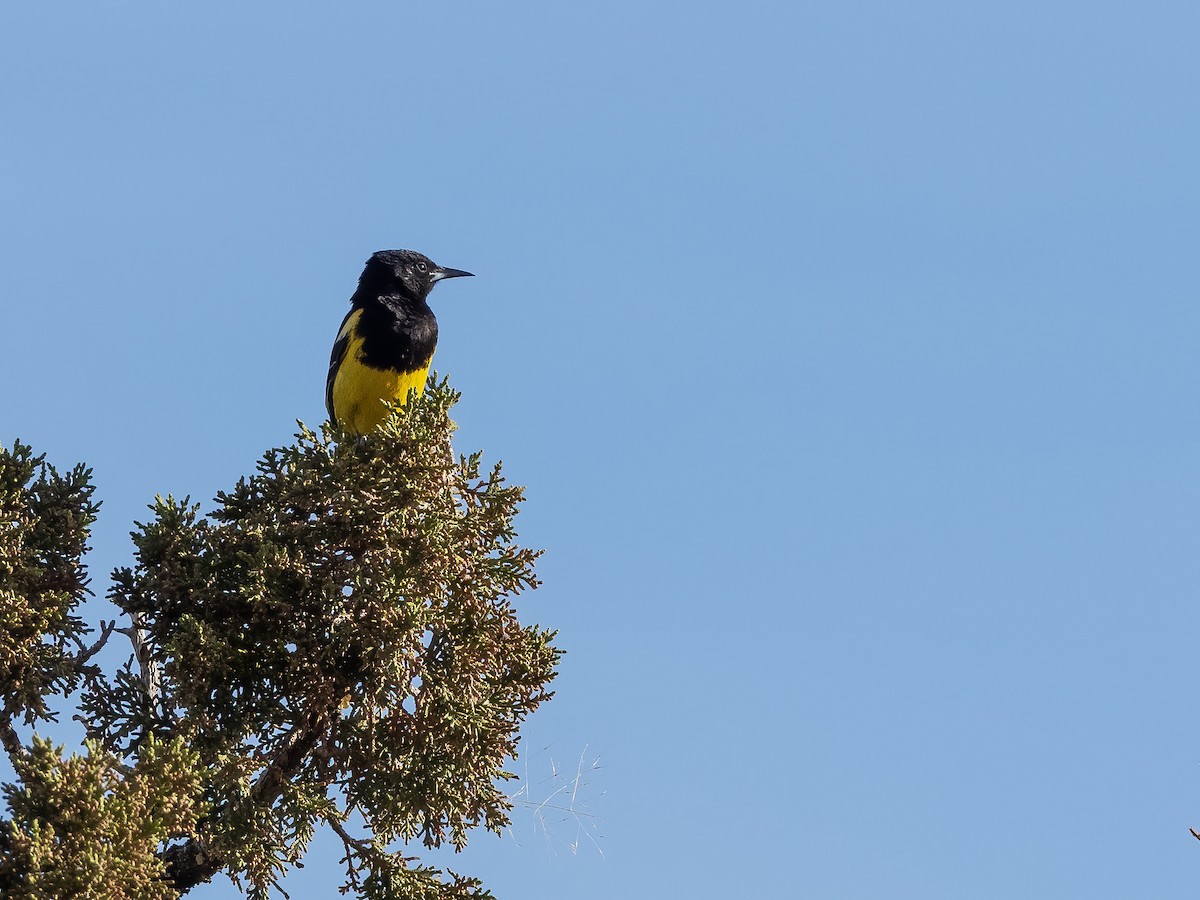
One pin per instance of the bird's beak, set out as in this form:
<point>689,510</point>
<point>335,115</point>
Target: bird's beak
<point>443,272</point>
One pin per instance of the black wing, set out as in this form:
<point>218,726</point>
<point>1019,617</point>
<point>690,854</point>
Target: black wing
<point>335,360</point>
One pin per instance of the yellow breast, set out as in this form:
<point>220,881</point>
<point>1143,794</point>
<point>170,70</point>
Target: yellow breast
<point>360,392</point>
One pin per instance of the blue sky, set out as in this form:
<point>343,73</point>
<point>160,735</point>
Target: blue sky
<point>847,351</point>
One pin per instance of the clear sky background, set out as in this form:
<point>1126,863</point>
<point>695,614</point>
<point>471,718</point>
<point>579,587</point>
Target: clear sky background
<point>847,349</point>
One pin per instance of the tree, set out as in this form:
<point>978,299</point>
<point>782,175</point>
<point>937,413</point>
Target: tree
<point>333,644</point>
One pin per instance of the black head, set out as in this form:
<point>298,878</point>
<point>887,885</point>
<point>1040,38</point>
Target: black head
<point>404,272</point>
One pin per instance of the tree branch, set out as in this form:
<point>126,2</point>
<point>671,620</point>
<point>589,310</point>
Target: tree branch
<point>8,737</point>
<point>86,653</point>
<point>190,863</point>
<point>351,842</point>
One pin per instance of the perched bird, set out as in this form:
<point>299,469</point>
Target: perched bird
<point>386,342</point>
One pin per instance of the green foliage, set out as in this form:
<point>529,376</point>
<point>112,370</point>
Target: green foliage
<point>44,522</point>
<point>86,826</point>
<point>337,645</point>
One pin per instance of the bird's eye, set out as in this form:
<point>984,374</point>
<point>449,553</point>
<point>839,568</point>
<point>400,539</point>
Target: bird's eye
<point>422,266</point>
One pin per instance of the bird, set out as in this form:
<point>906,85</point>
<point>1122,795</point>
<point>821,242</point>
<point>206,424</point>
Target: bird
<point>385,345</point>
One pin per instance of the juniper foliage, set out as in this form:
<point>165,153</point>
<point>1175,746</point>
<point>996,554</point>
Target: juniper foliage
<point>337,645</point>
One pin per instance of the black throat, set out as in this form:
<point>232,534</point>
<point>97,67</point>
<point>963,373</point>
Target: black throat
<point>399,332</point>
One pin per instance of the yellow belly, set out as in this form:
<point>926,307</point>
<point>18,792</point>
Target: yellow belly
<point>361,392</point>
